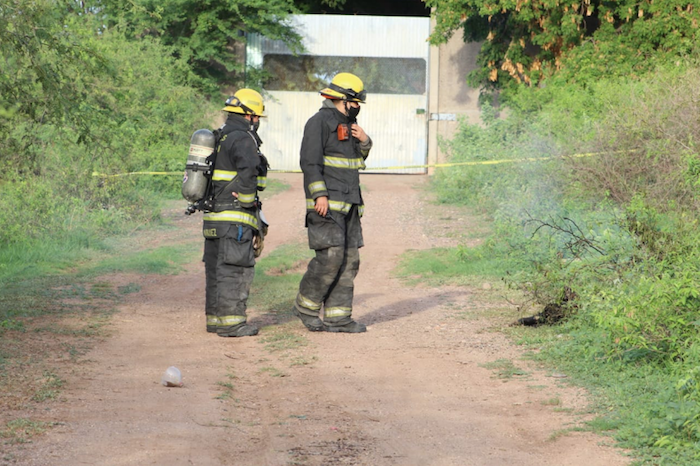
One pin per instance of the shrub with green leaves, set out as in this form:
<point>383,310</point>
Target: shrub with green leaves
<point>525,43</point>
<point>494,161</point>
<point>606,227</point>
<point>80,100</point>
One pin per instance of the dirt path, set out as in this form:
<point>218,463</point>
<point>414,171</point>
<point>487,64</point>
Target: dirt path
<point>410,391</point>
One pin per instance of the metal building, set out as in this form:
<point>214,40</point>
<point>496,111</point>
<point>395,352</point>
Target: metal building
<point>390,54</point>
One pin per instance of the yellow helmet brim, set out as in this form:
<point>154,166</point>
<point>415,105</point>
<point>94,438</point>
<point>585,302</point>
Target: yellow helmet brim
<point>240,111</point>
<point>329,93</point>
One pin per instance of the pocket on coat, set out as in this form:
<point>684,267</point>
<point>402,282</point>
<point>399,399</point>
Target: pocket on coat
<point>337,185</point>
<point>324,232</point>
<point>238,246</point>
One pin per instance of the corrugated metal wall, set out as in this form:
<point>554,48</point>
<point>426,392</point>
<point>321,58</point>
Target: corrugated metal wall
<point>397,123</point>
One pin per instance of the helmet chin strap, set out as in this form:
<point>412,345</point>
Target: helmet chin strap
<point>249,117</point>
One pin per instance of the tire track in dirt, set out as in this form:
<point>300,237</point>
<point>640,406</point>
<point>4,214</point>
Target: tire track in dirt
<point>410,391</point>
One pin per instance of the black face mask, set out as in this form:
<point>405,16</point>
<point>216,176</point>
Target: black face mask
<point>254,125</point>
<point>353,112</point>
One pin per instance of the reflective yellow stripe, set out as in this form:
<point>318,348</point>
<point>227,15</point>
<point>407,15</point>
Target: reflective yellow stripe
<point>213,320</point>
<point>361,210</point>
<point>307,303</point>
<point>247,198</point>
<point>233,216</point>
<point>227,321</point>
<point>342,162</point>
<point>262,182</point>
<point>223,175</point>
<point>317,187</point>
<point>339,206</point>
<point>337,311</point>
<point>336,206</point>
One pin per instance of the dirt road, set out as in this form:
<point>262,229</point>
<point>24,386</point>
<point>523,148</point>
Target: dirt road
<point>410,391</point>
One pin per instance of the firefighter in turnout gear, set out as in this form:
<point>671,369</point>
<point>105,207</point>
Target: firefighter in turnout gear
<point>333,150</point>
<point>234,226</point>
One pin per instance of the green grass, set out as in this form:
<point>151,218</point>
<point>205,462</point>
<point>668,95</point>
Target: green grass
<point>274,289</point>
<point>41,291</point>
<point>50,388</point>
<point>226,385</point>
<point>22,430</point>
<point>273,188</point>
<point>85,254</point>
<point>622,396</point>
<point>634,403</point>
<point>563,432</point>
<point>54,303</point>
<point>559,409</point>
<point>277,277</point>
<point>38,258</point>
<point>164,260</point>
<point>283,339</point>
<point>505,369</point>
<point>11,324</point>
<point>302,361</point>
<point>551,402</point>
<point>129,289</point>
<point>273,372</point>
<point>450,266</point>
<point>226,395</point>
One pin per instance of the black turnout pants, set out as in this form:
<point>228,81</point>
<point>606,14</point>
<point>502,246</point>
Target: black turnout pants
<point>329,279</point>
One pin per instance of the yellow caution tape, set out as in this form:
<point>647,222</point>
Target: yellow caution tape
<point>399,167</point>
<point>455,164</point>
<point>483,162</point>
<point>104,175</point>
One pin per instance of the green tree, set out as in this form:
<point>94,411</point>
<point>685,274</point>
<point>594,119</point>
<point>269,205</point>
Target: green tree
<point>47,68</point>
<point>364,7</point>
<point>79,98</point>
<point>526,41</point>
<point>209,35</point>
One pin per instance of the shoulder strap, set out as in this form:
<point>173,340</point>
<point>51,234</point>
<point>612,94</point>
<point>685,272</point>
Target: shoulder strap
<point>211,160</point>
<point>255,140</point>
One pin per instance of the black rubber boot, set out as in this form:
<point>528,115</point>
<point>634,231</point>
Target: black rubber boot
<point>243,330</point>
<point>314,324</point>
<point>352,327</point>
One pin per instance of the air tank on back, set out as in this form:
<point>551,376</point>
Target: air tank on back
<point>194,184</point>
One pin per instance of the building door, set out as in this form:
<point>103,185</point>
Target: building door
<point>390,55</point>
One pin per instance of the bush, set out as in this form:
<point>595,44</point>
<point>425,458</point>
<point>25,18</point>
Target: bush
<point>610,220</point>
<point>105,105</point>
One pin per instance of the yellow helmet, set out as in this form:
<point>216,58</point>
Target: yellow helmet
<point>245,102</point>
<point>345,86</point>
